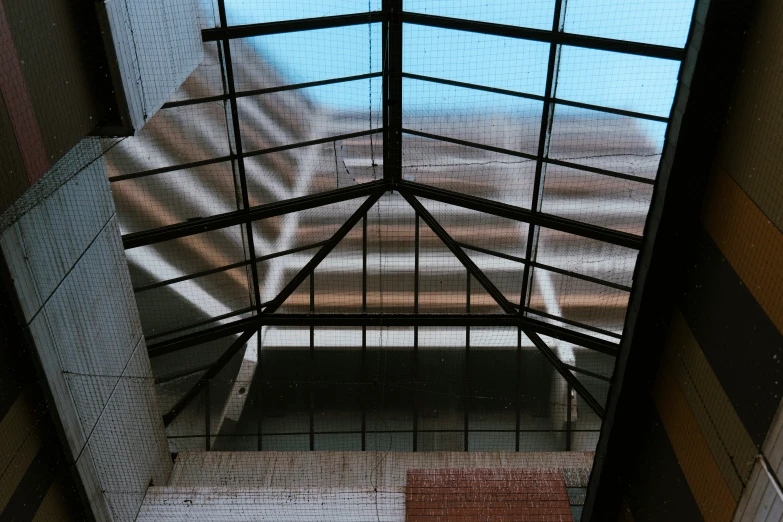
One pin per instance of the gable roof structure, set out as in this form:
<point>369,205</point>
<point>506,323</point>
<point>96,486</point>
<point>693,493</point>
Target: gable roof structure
<point>414,203</point>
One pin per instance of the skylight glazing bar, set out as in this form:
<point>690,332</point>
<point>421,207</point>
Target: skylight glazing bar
<point>536,97</point>
<point>271,90</point>
<point>381,320</point>
<point>232,32</point>
<point>229,68</point>
<point>539,35</point>
<point>194,164</point>
<point>546,267</point>
<point>533,157</point>
<point>224,359</point>
<point>277,208</point>
<point>547,115</point>
<point>392,90</point>
<point>495,208</point>
<point>240,264</point>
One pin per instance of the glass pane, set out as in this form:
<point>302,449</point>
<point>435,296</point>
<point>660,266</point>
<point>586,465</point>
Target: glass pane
<point>281,59</point>
<point>290,117</point>
<point>177,196</point>
<point>491,61</point>
<point>620,81</point>
<point>317,168</point>
<point>537,14</point>
<point>664,22</point>
<point>596,199</point>
<point>254,12</point>
<point>490,175</point>
<point>605,141</point>
<point>480,117</point>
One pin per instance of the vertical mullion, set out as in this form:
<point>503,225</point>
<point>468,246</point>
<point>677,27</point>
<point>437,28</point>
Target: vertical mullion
<point>260,384</point>
<point>240,160</point>
<point>363,379</point>
<point>519,385</point>
<point>207,416</point>
<point>392,90</point>
<point>568,418</point>
<point>312,363</point>
<point>547,114</point>
<point>416,336</point>
<point>467,364</point>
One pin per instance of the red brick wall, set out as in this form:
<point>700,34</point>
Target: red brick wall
<point>487,495</point>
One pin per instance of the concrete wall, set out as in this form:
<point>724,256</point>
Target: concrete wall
<point>322,486</point>
<point>64,254</point>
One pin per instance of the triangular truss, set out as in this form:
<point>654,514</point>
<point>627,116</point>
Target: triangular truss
<point>513,312</point>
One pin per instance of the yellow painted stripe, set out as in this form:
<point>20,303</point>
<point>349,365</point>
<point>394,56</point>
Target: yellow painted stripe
<point>704,478</point>
<point>725,435</point>
<point>55,505</point>
<point>15,427</point>
<point>15,471</point>
<point>752,244</point>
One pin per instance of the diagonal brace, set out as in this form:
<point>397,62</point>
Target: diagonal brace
<point>324,251</point>
<point>504,303</point>
<point>229,354</point>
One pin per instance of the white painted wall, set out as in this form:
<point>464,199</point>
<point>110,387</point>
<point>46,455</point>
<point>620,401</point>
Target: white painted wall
<point>69,272</point>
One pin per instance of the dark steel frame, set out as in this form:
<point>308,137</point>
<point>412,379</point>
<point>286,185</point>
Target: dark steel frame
<point>391,18</point>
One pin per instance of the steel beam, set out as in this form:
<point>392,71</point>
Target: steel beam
<point>380,320</point>
<point>498,296</point>
<point>392,89</point>
<point>228,219</point>
<point>288,26</point>
<point>520,214</point>
<point>540,35</point>
<point>221,363</point>
<point>322,253</point>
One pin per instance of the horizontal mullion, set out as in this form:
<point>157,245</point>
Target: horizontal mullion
<point>289,26</point>
<point>278,208</point>
<point>610,110</point>
<point>300,144</point>
<point>380,320</point>
<point>520,214</point>
<point>525,155</point>
<point>270,90</point>
<point>587,372</point>
<point>546,267</point>
<point>596,170</point>
<point>473,86</point>
<point>472,144</point>
<point>226,267</point>
<point>200,323</point>
<point>194,164</point>
<point>518,94</point>
<point>204,336</point>
<point>540,35</point>
<point>172,168</point>
<point>570,322</point>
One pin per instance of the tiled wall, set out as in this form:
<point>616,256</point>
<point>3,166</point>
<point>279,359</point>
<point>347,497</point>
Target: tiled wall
<point>720,381</point>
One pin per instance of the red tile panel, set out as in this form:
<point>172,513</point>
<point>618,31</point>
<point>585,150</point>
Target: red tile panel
<point>486,495</point>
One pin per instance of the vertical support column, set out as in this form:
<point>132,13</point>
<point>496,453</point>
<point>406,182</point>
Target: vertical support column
<point>392,90</point>
<point>568,418</point>
<point>519,387</point>
<point>311,372</point>
<point>240,160</point>
<point>416,243</point>
<point>467,364</point>
<point>260,377</point>
<point>207,416</point>
<point>547,116</point>
<point>363,379</point>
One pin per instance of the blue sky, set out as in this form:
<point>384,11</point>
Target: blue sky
<point>632,83</point>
